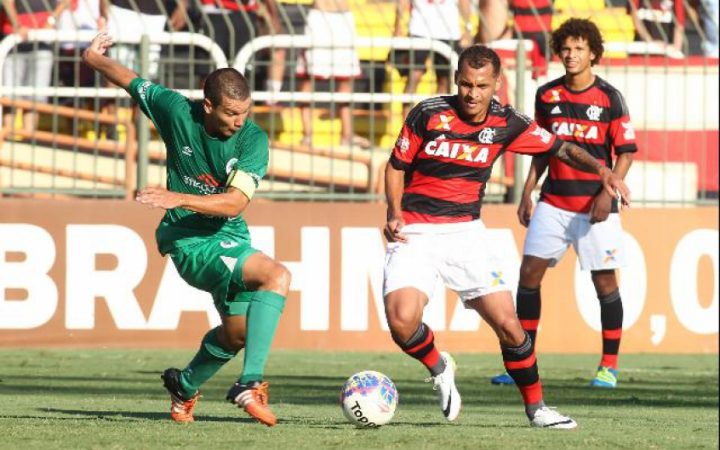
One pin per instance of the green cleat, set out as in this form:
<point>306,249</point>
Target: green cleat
<point>606,378</point>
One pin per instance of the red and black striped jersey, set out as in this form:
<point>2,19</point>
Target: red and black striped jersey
<point>595,119</point>
<point>447,161</point>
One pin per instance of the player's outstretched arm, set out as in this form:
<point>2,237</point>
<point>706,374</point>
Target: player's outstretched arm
<point>94,57</point>
<point>578,158</point>
<point>227,204</point>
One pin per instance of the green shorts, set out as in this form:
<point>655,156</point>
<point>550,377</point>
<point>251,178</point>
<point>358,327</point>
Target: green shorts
<point>215,266</point>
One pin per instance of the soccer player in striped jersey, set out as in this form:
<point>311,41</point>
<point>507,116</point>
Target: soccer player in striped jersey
<point>574,209</point>
<point>216,157</point>
<point>434,184</point>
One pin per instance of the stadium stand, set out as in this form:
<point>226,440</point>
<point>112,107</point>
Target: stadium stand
<point>77,150</point>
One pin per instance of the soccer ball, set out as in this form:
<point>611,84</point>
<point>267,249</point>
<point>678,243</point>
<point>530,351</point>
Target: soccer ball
<point>369,399</point>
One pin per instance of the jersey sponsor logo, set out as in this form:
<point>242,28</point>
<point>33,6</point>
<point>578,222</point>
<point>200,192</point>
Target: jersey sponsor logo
<point>143,88</point>
<point>203,186</point>
<point>403,144</point>
<point>230,165</point>
<point>187,151</point>
<point>458,151</point>
<point>576,130</point>
<point>556,110</point>
<point>593,112</point>
<point>629,133</point>
<point>444,122</point>
<point>554,96</point>
<point>486,136</point>
<point>542,133</point>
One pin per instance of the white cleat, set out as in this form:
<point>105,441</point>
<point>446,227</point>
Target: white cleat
<point>444,384</point>
<point>549,418</point>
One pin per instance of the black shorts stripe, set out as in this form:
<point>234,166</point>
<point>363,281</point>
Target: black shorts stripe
<point>437,207</point>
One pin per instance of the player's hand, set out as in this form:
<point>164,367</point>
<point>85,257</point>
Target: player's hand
<point>601,207</point>
<point>615,187</point>
<point>524,211</point>
<point>100,43</point>
<point>393,229</point>
<point>158,197</point>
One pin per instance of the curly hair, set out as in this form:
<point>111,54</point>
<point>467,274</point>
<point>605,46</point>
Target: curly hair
<point>579,29</point>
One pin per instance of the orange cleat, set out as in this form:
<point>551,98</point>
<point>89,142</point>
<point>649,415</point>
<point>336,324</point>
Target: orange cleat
<point>253,398</point>
<point>181,409</point>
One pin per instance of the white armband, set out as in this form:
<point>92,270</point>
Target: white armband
<point>243,181</point>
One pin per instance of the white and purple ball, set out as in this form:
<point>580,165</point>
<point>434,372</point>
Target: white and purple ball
<point>369,399</point>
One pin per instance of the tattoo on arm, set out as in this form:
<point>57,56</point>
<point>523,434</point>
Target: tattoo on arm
<point>578,158</point>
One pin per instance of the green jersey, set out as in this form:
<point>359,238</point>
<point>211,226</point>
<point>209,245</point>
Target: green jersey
<point>198,163</point>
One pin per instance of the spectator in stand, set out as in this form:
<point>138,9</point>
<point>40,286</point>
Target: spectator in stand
<point>30,63</point>
<point>661,22</point>
<point>330,21</point>
<point>234,23</point>
<point>532,19</point>
<point>78,15</point>
<point>434,20</point>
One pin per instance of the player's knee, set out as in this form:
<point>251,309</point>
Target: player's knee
<point>282,278</point>
<point>277,279</point>
<point>510,332</point>
<point>402,322</point>
<point>530,277</point>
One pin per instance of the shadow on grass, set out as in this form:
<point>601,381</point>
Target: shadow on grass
<point>309,390</point>
<point>118,415</point>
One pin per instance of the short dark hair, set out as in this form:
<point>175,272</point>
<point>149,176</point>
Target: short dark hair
<point>226,82</point>
<point>579,29</point>
<point>477,56</point>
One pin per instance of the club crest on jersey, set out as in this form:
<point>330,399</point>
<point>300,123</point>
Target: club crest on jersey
<point>593,112</point>
<point>187,151</point>
<point>230,165</point>
<point>629,133</point>
<point>444,122</point>
<point>486,136</point>
<point>403,144</point>
<point>576,130</point>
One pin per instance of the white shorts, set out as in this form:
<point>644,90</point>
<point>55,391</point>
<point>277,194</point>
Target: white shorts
<point>552,230</point>
<point>457,253</point>
<point>340,62</point>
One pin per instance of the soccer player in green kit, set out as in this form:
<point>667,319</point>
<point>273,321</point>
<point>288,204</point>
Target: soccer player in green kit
<point>215,159</point>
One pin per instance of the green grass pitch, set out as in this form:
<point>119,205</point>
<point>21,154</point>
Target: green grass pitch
<point>113,399</point>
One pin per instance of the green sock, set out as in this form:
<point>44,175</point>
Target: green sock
<point>262,320</point>
<point>208,360</point>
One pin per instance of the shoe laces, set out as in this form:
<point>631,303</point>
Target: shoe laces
<point>437,381</point>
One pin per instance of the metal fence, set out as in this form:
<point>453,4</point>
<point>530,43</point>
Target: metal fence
<point>90,143</point>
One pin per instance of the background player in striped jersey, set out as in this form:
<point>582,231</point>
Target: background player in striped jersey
<point>583,108</point>
<point>216,156</point>
<point>434,184</point>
